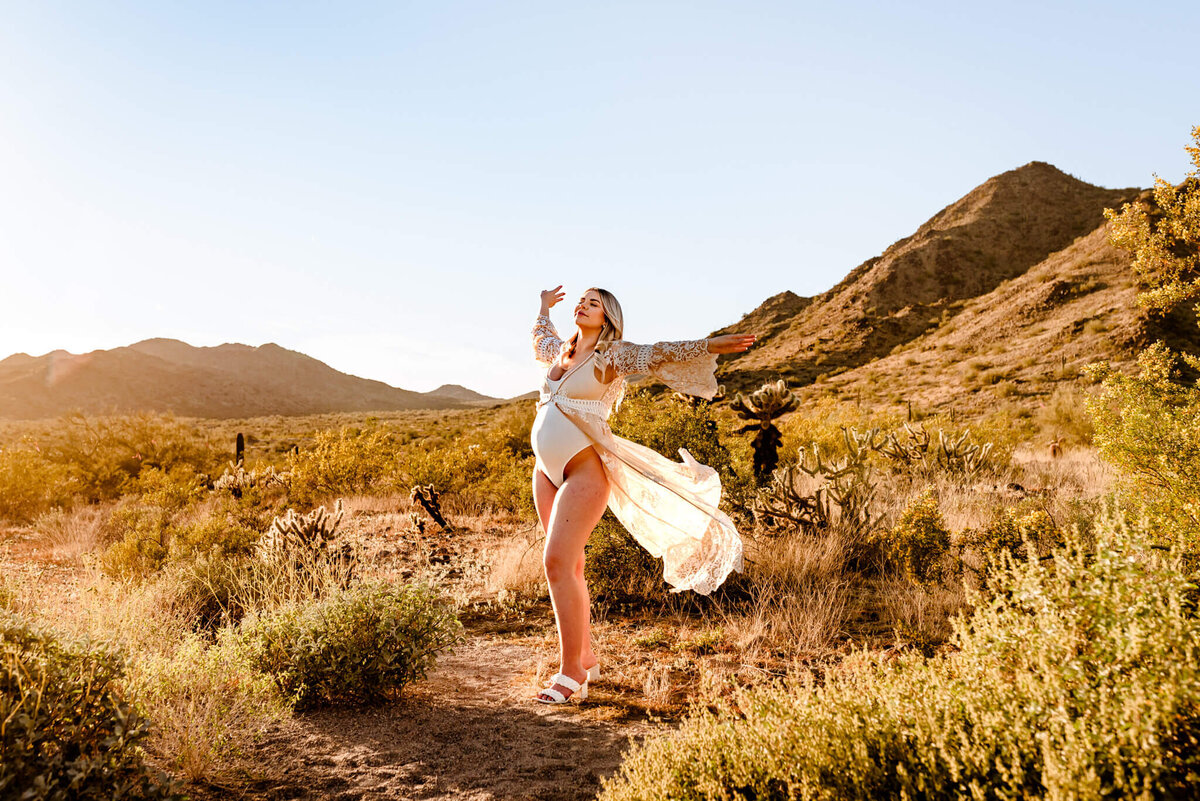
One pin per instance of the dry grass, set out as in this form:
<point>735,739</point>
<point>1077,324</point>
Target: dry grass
<point>516,577</point>
<point>70,535</point>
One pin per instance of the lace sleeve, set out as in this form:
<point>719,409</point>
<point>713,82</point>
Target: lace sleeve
<point>546,342</point>
<point>686,366</point>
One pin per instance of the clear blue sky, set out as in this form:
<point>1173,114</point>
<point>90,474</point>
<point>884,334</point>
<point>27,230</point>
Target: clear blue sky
<point>388,186</point>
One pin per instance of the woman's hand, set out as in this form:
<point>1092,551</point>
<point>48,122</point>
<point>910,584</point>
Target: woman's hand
<point>730,343</point>
<point>551,297</point>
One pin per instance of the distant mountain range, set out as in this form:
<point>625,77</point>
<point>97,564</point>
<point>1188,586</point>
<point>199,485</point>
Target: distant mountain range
<point>1000,294</point>
<point>225,381</point>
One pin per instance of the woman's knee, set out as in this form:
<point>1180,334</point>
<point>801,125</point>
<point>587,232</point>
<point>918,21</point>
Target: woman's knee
<point>556,567</point>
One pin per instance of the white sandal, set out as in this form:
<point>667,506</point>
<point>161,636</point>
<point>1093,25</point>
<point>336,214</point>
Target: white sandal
<point>563,680</point>
<point>594,672</point>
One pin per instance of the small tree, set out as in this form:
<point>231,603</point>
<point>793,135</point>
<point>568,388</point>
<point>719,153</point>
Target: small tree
<point>1149,424</point>
<point>764,406</point>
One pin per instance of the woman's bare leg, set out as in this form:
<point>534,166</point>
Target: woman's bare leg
<point>543,498</point>
<point>578,506</point>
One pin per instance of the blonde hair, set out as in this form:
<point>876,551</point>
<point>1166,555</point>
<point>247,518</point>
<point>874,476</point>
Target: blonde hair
<point>614,322</point>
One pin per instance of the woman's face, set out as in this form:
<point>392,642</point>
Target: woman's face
<point>589,312</point>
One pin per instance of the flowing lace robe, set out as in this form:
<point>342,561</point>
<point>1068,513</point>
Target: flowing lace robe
<point>669,507</point>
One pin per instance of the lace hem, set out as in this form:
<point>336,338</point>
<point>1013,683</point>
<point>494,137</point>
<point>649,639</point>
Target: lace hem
<point>546,342</point>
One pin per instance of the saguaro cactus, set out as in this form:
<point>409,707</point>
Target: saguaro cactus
<point>240,449</point>
<point>764,406</point>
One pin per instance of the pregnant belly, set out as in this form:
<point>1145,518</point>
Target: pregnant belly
<point>555,438</point>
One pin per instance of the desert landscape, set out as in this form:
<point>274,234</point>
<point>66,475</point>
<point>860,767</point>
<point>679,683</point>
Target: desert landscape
<point>965,476</point>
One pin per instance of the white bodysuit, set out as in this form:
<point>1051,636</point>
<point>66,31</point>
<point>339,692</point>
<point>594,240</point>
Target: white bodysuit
<point>669,507</point>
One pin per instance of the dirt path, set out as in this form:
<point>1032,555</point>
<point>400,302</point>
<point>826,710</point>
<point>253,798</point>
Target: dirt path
<point>469,731</point>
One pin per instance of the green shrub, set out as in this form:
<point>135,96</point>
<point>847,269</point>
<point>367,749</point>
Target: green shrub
<point>67,731</point>
<point>361,645</point>
<point>920,541</point>
<point>665,425</point>
<point>345,461</point>
<point>1079,678</point>
<point>213,533</point>
<point>105,456</point>
<point>1148,426</point>
<point>154,529</point>
<point>143,533</point>
<point>1010,529</point>
<point>619,570</point>
<point>474,473</point>
<point>30,484</point>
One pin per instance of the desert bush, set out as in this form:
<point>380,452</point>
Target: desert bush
<point>619,570</point>
<point>208,703</point>
<point>665,425</point>
<point>794,596</point>
<point>344,461</point>
<point>1078,679</point>
<point>512,428</point>
<point>473,475</point>
<point>68,732</point>
<point>210,590</point>
<point>1024,530</point>
<point>1064,416</point>
<point>155,529</point>
<point>920,541</point>
<point>1148,426</point>
<point>364,644</point>
<point>214,532</point>
<point>143,533</point>
<point>104,456</point>
<point>30,484</point>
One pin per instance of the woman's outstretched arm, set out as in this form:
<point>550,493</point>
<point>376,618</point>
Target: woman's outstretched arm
<point>546,341</point>
<point>626,358</point>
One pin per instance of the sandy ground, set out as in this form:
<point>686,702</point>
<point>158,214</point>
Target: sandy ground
<point>469,731</point>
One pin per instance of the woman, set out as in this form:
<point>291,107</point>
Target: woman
<point>669,507</point>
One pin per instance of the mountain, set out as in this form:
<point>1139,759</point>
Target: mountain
<point>457,392</point>
<point>225,381</point>
<point>1009,287</point>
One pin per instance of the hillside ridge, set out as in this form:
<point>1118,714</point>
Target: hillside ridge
<point>223,381</point>
<point>996,233</point>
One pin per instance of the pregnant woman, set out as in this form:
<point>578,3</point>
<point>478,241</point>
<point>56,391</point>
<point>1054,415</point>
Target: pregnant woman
<point>582,467</point>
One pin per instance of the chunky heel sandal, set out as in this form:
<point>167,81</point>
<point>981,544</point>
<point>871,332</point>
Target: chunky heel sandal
<point>556,697</point>
<point>594,672</point>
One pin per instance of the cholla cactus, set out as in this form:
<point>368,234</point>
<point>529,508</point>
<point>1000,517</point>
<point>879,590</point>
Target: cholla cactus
<point>427,497</point>
<point>844,488</point>
<point>960,455</point>
<point>313,531</point>
<point>913,450</point>
<point>765,405</point>
<point>237,479</point>
<point>907,450</point>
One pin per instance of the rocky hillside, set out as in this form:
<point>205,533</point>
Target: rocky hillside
<point>1009,287</point>
<point>219,382</point>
